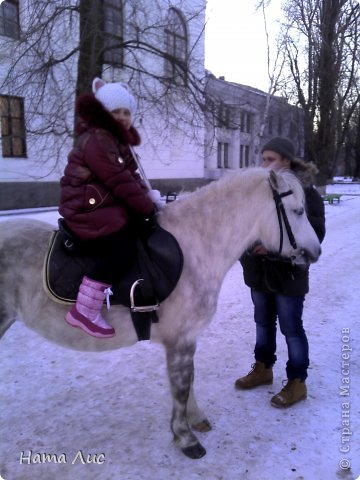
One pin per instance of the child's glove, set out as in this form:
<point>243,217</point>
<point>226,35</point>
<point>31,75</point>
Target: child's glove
<point>155,196</point>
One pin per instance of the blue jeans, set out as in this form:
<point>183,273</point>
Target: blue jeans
<point>269,307</point>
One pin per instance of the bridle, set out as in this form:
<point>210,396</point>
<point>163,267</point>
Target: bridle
<point>281,214</point>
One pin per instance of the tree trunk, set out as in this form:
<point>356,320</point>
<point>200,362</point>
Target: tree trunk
<point>91,45</point>
<point>356,172</point>
<point>325,145</point>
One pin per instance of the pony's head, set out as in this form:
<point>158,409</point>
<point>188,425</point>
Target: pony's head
<point>288,231</point>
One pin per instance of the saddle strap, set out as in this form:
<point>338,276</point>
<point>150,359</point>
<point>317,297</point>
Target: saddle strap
<point>46,275</point>
<point>149,274</point>
<point>142,323</point>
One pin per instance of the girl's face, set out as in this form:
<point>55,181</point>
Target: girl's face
<point>274,160</point>
<point>123,116</point>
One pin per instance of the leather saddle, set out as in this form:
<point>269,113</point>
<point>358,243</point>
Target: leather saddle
<point>152,278</point>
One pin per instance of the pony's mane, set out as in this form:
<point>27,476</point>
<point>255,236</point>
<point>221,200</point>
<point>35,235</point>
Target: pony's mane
<point>294,183</point>
<point>245,179</point>
<point>249,178</point>
<point>229,189</point>
<point>216,196</point>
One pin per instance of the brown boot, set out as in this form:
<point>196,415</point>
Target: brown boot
<point>259,375</point>
<point>294,391</point>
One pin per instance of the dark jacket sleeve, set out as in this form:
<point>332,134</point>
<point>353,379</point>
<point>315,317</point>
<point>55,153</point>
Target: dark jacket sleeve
<point>252,269</point>
<point>315,211</point>
<point>102,157</point>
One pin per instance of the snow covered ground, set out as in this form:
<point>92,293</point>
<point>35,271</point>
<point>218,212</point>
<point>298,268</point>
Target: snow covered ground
<point>116,406</point>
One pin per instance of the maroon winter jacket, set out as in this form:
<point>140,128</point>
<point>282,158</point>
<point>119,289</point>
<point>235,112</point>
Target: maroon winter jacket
<point>101,189</point>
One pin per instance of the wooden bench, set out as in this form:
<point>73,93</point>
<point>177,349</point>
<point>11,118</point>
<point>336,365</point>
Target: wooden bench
<point>331,198</point>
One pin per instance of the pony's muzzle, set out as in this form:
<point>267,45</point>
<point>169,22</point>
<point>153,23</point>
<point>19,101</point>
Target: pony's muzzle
<point>306,257</point>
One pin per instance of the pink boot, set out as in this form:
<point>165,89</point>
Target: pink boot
<point>86,314</point>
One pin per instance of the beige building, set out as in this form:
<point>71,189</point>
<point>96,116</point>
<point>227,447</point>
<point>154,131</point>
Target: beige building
<point>239,122</point>
<point>157,47</point>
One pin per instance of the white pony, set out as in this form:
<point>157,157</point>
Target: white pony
<point>213,226</point>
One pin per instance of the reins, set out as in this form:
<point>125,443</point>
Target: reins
<point>281,213</point>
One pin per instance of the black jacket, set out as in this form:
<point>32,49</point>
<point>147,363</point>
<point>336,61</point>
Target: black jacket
<point>269,274</point>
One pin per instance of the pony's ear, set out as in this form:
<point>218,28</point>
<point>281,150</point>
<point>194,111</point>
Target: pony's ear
<point>96,84</point>
<point>273,179</point>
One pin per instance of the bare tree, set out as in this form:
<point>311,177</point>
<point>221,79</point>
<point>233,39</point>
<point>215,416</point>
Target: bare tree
<point>64,44</point>
<point>275,65</point>
<point>227,114</point>
<point>323,58</point>
<point>355,143</point>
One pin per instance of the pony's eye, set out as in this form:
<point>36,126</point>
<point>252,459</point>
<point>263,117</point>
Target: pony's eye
<point>299,211</point>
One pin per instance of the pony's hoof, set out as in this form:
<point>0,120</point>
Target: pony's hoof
<point>203,426</point>
<point>195,451</point>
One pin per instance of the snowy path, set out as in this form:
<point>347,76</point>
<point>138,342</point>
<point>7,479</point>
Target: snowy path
<point>117,404</point>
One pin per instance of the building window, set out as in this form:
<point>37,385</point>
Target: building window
<point>9,18</point>
<point>270,125</point>
<point>176,41</point>
<point>210,110</point>
<point>223,116</point>
<point>113,32</point>
<point>244,156</point>
<point>223,155</point>
<point>245,121</point>
<point>292,130</point>
<point>12,126</point>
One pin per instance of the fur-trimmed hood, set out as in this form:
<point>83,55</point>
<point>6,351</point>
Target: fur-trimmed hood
<point>93,115</point>
<point>305,171</point>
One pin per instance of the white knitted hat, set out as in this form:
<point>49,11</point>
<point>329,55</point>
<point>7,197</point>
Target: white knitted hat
<point>114,95</point>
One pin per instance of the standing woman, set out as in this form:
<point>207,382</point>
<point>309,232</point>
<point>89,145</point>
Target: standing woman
<point>278,289</point>
<point>103,197</point>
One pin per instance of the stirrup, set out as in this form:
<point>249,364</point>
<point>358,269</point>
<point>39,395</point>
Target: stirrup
<point>140,308</point>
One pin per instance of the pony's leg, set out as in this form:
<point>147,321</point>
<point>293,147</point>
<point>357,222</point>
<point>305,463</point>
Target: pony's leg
<point>5,326</point>
<point>181,371</point>
<point>195,415</point>
<point>6,320</point>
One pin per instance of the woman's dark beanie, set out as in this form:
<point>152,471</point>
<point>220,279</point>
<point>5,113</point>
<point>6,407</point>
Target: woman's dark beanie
<point>280,145</point>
